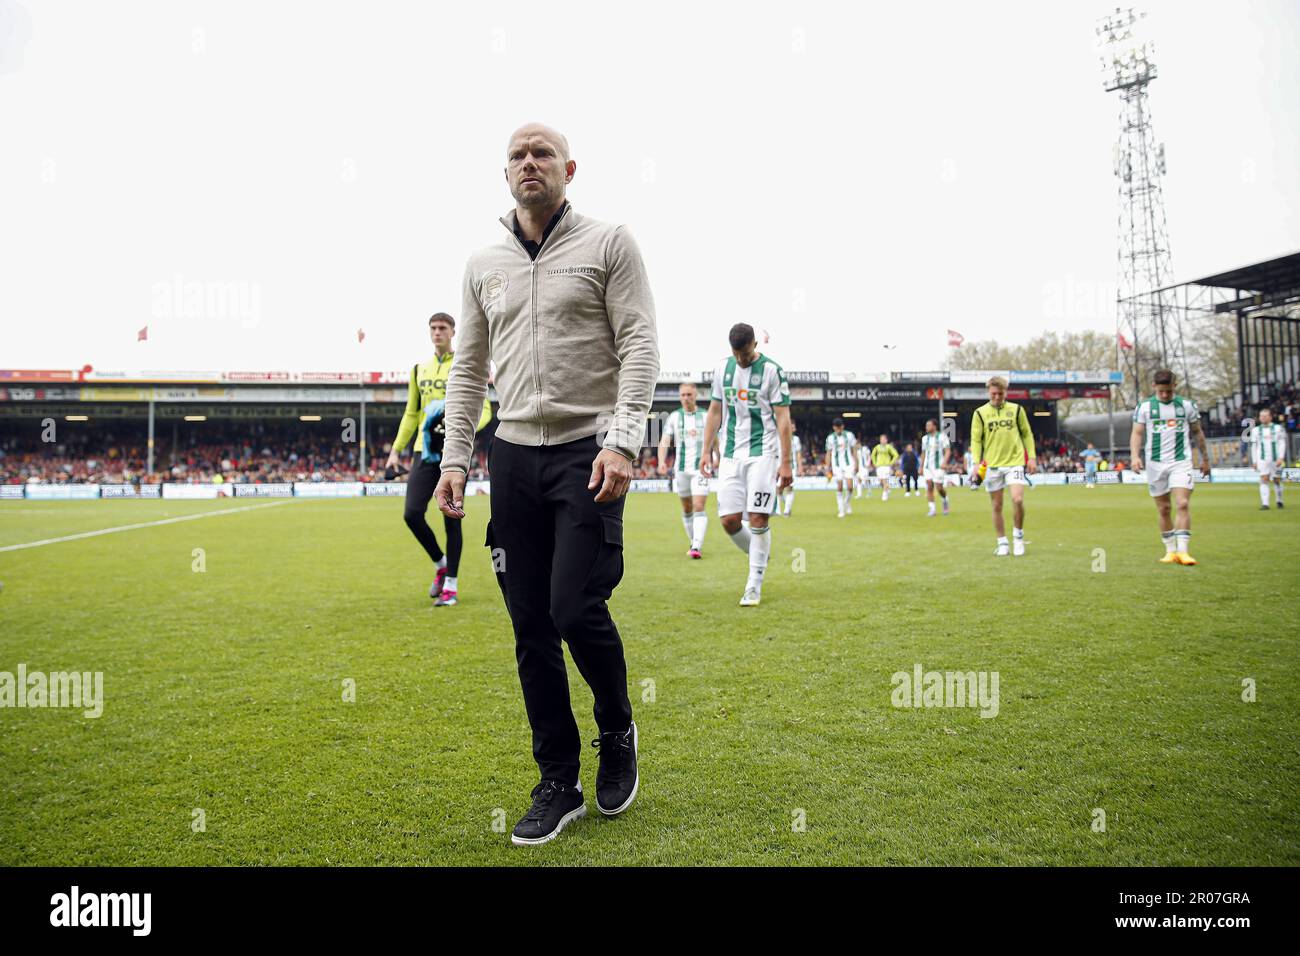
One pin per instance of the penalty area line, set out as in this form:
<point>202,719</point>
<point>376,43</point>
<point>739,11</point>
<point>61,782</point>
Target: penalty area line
<point>142,524</point>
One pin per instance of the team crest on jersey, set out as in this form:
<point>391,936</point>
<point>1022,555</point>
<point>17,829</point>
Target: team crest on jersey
<point>494,284</point>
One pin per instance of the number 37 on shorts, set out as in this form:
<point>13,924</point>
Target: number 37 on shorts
<point>747,484</point>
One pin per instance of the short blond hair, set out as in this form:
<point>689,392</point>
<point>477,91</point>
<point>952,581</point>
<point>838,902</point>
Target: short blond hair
<point>997,380</point>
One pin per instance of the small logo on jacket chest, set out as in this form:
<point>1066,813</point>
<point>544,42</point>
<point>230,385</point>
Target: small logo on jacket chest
<point>494,284</point>
<point>573,271</point>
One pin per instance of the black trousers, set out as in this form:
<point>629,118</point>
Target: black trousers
<point>420,484</point>
<point>910,481</point>
<point>560,556</point>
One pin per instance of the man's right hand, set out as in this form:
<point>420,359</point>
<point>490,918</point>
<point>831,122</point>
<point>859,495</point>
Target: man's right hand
<point>1137,464</point>
<point>393,459</point>
<point>706,466</point>
<point>450,494</point>
<point>663,467</point>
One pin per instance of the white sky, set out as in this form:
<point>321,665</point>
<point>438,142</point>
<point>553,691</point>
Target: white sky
<point>336,163</point>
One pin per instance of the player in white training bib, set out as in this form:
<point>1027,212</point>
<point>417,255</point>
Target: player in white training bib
<point>1164,427</point>
<point>840,464</point>
<point>749,416</point>
<point>1267,441</point>
<point>685,429</point>
<point>936,452</point>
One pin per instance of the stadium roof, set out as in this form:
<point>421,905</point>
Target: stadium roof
<point>1275,275</point>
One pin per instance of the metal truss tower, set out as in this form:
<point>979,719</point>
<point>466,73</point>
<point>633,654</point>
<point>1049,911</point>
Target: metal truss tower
<point>1150,332</point>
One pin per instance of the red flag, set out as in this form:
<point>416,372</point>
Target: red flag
<point>142,335</point>
<point>1123,342</point>
<point>955,339</point>
<point>361,335</point>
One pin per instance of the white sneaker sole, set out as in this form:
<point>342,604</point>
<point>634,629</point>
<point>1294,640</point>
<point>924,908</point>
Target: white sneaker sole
<point>576,814</point>
<point>636,784</point>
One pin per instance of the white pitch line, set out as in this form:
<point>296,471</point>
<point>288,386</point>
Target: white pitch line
<point>143,524</point>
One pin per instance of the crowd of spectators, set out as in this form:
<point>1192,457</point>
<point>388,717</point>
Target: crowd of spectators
<point>258,452</point>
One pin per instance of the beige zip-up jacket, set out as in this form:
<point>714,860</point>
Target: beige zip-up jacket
<point>572,334</point>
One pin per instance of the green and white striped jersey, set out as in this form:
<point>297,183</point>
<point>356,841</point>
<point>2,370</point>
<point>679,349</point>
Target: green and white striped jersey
<point>1168,428</point>
<point>864,457</point>
<point>686,430</point>
<point>748,396</point>
<point>933,445</point>
<point>841,448</point>
<point>796,454</point>
<point>1267,442</point>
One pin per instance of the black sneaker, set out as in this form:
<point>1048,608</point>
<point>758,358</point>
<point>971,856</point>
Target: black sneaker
<point>1279,504</point>
<point>554,807</point>
<point>618,776</point>
<point>1263,507</point>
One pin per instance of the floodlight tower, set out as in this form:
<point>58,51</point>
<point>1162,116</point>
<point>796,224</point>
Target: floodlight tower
<point>1151,326</point>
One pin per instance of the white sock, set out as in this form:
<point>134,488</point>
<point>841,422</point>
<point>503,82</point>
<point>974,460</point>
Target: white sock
<point>1168,538</point>
<point>701,523</point>
<point>1002,540</point>
<point>441,562</point>
<point>789,500</point>
<point>740,538</point>
<point>1263,493</point>
<point>1018,532</point>
<point>449,583</point>
<point>1184,539</point>
<point>688,522</point>
<point>760,546</point>
<point>1277,488</point>
<point>931,507</point>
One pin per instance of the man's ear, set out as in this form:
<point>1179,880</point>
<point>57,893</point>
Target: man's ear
<point>570,168</point>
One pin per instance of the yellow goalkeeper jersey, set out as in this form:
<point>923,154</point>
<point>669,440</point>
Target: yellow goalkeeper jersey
<point>883,455</point>
<point>1001,437</point>
<point>429,382</point>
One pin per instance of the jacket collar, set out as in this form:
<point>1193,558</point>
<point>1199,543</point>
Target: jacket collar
<point>567,216</point>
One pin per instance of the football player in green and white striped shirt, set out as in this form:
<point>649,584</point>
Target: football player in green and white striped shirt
<point>840,463</point>
<point>1268,454</point>
<point>936,450</point>
<point>750,416</point>
<point>1164,427</point>
<point>685,429</point>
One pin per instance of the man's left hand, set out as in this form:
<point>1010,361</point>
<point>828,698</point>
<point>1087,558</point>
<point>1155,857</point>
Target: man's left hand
<point>784,478</point>
<point>612,474</point>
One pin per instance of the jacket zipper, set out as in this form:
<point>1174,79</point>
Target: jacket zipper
<point>532,320</point>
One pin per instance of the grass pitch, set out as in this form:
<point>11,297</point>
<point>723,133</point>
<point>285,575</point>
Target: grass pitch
<point>767,734</point>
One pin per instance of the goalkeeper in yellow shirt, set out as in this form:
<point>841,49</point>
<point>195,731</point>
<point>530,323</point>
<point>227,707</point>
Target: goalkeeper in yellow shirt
<point>423,420</point>
<point>883,456</point>
<point>1002,448</point>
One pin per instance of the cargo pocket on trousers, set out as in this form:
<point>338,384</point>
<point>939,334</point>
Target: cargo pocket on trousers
<point>608,569</point>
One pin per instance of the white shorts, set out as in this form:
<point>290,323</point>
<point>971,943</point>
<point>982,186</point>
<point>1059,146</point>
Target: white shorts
<point>690,484</point>
<point>882,474</point>
<point>937,475</point>
<point>1162,476</point>
<point>1266,469</point>
<point>747,484</point>
<point>995,479</point>
<point>842,473</point>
